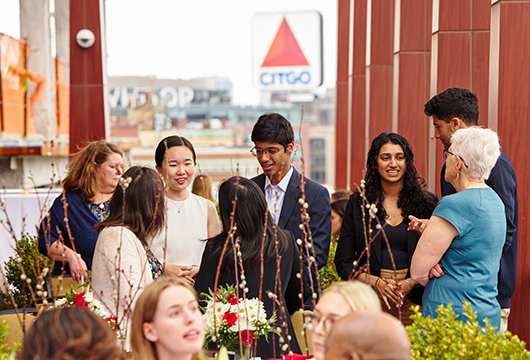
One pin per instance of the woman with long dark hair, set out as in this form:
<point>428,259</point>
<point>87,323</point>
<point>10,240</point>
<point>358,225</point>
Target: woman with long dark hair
<point>391,183</point>
<point>250,217</point>
<point>123,261</point>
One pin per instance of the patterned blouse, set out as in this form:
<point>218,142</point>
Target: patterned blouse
<point>156,267</point>
<point>328,274</point>
<point>100,210</point>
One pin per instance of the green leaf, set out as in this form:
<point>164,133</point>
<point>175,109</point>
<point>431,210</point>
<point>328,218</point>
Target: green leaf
<point>448,336</point>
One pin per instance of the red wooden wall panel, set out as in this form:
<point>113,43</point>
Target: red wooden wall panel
<point>358,93</point>
<point>412,95</point>
<point>379,99</point>
<point>342,95</point>
<point>411,85</point>
<point>455,15</point>
<point>480,72</point>
<point>513,107</point>
<point>87,110</point>
<point>453,70</point>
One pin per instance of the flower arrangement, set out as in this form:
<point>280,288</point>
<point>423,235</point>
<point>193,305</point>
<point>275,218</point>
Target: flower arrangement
<point>87,300</point>
<point>228,319</point>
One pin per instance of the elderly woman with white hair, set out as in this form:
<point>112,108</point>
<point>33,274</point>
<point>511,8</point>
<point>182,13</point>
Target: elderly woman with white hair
<point>458,255</point>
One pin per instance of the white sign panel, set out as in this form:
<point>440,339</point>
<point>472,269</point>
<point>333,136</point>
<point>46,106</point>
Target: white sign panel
<point>287,51</point>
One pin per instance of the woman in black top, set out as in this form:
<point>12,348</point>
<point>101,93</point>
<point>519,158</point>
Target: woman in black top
<point>249,219</point>
<point>396,191</point>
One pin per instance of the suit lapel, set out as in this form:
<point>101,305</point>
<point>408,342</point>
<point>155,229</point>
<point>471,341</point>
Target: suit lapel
<point>260,181</point>
<point>292,195</point>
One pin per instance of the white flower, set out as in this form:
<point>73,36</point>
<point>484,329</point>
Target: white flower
<point>60,302</point>
<point>89,297</point>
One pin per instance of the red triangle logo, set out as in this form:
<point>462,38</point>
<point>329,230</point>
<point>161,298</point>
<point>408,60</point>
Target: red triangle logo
<point>285,50</point>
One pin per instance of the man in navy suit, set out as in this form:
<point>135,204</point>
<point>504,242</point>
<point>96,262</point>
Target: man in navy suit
<point>457,108</point>
<point>273,138</point>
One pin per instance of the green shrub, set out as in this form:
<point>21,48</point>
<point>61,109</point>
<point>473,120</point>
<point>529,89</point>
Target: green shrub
<point>32,261</point>
<point>446,337</point>
<point>6,352</point>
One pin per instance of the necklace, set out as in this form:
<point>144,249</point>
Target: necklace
<point>394,200</point>
<point>177,206</point>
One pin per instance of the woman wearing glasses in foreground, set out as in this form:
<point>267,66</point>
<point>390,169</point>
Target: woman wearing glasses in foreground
<point>458,255</point>
<point>339,300</point>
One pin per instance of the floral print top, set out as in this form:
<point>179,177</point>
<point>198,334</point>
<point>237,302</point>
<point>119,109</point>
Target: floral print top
<point>328,274</point>
<point>156,266</point>
<point>100,210</point>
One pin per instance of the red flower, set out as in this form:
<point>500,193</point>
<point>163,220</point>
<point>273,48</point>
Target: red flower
<point>217,295</point>
<point>230,319</point>
<point>234,301</point>
<point>79,300</point>
<point>246,337</point>
<point>229,295</point>
<point>111,321</point>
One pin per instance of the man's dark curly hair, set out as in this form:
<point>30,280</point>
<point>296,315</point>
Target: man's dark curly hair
<point>413,199</point>
<point>454,102</point>
<point>273,128</point>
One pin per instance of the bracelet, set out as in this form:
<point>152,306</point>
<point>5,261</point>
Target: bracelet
<point>408,282</point>
<point>377,281</point>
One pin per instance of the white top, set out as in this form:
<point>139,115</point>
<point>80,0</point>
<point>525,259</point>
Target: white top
<point>275,194</point>
<point>128,265</point>
<point>185,230</point>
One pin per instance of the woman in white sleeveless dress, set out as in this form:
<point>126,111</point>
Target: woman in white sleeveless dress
<point>190,218</point>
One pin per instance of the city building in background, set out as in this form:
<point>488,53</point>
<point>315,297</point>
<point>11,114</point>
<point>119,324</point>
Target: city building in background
<point>144,110</point>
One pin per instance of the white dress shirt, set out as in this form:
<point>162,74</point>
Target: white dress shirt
<point>275,194</point>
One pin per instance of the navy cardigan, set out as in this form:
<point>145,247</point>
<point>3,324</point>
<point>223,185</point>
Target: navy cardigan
<point>81,222</point>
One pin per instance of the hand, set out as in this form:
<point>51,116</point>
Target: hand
<point>417,225</point>
<point>436,271</point>
<point>181,271</point>
<point>389,290</point>
<point>406,287</point>
<point>77,266</point>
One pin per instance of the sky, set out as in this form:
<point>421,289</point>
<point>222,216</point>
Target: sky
<point>185,39</point>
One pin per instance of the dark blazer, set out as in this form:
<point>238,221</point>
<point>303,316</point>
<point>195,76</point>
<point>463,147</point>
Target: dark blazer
<point>319,211</point>
<point>352,243</point>
<point>289,267</point>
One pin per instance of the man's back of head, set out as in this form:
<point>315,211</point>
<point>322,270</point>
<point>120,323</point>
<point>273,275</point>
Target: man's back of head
<point>454,102</point>
<point>368,336</point>
<point>273,128</point>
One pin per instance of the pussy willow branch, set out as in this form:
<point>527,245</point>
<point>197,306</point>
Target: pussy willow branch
<point>165,177</point>
<point>16,248</point>
<point>230,234</point>
<point>243,285</point>
<point>282,318</point>
<point>369,239</point>
<point>261,269</point>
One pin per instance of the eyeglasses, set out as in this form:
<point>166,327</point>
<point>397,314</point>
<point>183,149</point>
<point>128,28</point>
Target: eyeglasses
<point>257,152</point>
<point>448,152</point>
<point>312,321</point>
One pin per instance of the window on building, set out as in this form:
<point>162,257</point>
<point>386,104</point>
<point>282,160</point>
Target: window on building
<point>318,143</point>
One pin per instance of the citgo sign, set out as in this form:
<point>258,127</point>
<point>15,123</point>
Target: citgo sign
<point>287,51</point>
